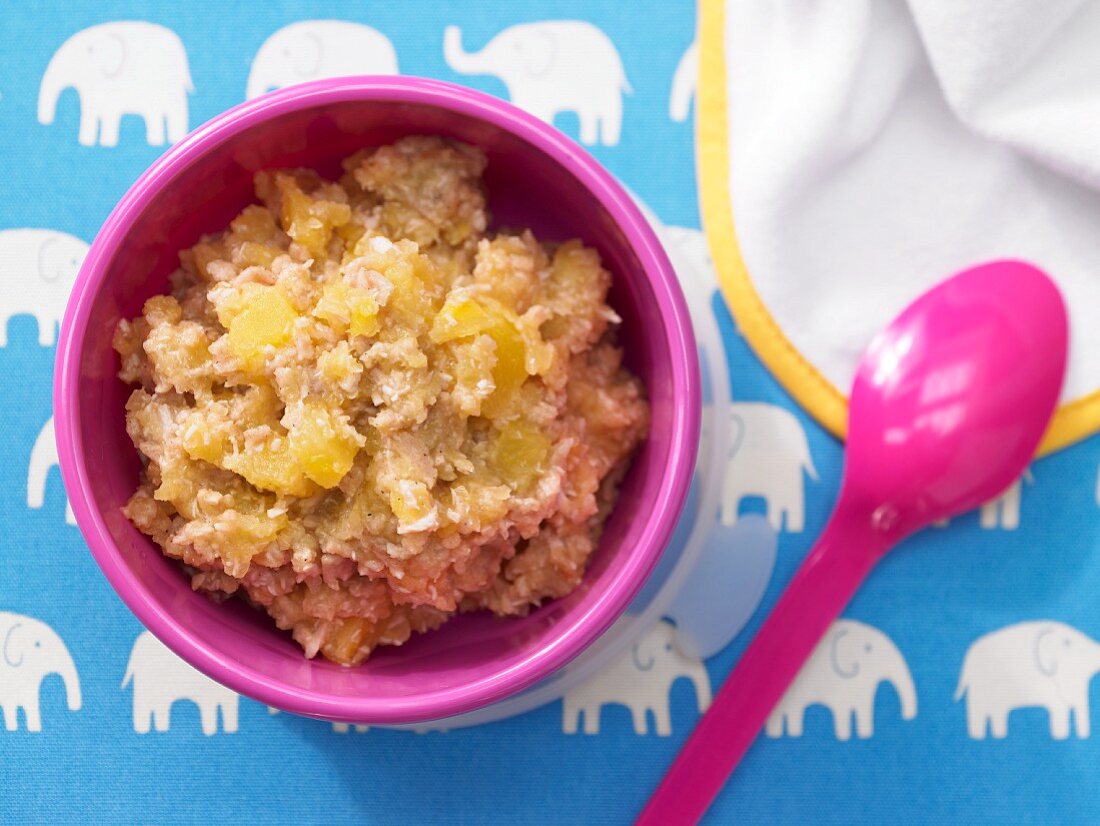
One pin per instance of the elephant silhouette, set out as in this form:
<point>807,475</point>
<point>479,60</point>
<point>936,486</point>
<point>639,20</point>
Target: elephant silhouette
<point>314,49</point>
<point>843,674</point>
<point>553,66</point>
<point>684,81</point>
<point>37,271</point>
<point>768,455</point>
<point>29,652</point>
<point>359,728</point>
<point>725,586</point>
<point>1042,664</point>
<point>690,256</point>
<point>160,679</point>
<point>126,67</point>
<point>43,458</point>
<point>344,728</point>
<point>1003,511</point>
<point>337,728</point>
<point>641,680</point>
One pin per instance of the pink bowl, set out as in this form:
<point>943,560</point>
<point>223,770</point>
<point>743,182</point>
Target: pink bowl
<point>536,177</point>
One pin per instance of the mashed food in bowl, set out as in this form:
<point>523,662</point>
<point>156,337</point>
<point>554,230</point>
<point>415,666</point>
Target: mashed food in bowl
<point>364,412</point>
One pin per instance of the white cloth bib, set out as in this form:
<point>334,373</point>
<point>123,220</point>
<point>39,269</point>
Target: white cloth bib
<point>873,147</point>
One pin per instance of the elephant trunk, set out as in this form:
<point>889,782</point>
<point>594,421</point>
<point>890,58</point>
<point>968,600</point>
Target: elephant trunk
<point>72,684</point>
<point>462,61</point>
<point>49,92</point>
<point>907,692</point>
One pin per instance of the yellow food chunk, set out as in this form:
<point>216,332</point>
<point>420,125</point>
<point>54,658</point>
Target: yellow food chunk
<point>251,254</point>
<point>272,466</point>
<point>309,221</point>
<point>338,365</point>
<point>324,444</point>
<point>266,321</point>
<point>478,503</point>
<point>201,441</point>
<point>348,310</point>
<point>181,364</point>
<point>180,483</point>
<point>249,528</point>
<point>254,239</point>
<point>539,354</point>
<point>350,233</point>
<point>202,254</point>
<point>417,283</point>
<point>519,453</point>
<point>575,290</point>
<point>230,301</point>
<point>411,502</point>
<point>344,642</point>
<point>256,224</point>
<point>510,371</point>
<point>460,316</point>
<point>364,313</point>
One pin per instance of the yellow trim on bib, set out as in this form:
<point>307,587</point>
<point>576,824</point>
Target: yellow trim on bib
<point>1072,422</point>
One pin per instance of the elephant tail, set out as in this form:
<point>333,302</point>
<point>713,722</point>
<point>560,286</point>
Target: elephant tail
<point>129,672</point>
<point>963,680</point>
<point>808,460</point>
<point>624,84</point>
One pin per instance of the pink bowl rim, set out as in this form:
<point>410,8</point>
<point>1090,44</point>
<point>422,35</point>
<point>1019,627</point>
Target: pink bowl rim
<point>582,627</point>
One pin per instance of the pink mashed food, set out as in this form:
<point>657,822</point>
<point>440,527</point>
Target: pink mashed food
<point>364,413</point>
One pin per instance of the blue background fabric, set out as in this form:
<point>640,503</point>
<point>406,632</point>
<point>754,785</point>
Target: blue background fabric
<point>933,597</point>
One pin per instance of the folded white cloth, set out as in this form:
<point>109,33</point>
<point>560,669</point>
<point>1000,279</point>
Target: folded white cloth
<point>877,146</point>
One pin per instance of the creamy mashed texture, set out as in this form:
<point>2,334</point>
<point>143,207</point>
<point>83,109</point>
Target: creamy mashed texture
<point>364,412</point>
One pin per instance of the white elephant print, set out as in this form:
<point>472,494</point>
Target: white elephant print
<point>725,586</point>
<point>315,49</point>
<point>553,66</point>
<point>1040,664</point>
<point>843,674</point>
<point>683,84</point>
<point>690,257</point>
<point>160,679</point>
<point>29,652</point>
<point>337,728</point>
<point>344,728</point>
<point>768,455</point>
<point>687,249</point>
<point>43,458</point>
<point>1002,512</point>
<point>37,271</point>
<point>126,67</point>
<point>693,244</point>
<point>641,680</point>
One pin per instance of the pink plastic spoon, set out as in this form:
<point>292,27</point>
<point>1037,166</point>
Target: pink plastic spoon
<point>948,406</point>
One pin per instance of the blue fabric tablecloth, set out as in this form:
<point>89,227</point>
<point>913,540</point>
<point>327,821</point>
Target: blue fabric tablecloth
<point>933,597</point>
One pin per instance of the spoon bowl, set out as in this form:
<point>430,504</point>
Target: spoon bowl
<point>950,401</point>
<point>948,405</point>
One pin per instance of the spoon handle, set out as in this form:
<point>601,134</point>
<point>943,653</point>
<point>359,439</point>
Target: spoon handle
<point>838,562</point>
